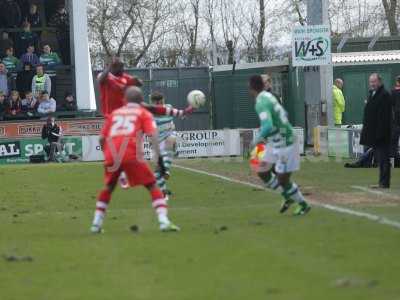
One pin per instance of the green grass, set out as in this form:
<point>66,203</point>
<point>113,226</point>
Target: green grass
<point>46,210</point>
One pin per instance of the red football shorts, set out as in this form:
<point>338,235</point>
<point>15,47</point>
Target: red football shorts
<point>137,173</point>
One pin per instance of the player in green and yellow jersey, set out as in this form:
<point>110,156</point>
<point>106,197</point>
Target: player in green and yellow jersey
<point>281,151</point>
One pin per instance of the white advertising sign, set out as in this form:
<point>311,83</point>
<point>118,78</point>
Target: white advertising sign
<point>201,143</point>
<point>311,46</point>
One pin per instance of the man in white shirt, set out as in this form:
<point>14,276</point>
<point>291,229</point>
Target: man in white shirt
<point>47,105</point>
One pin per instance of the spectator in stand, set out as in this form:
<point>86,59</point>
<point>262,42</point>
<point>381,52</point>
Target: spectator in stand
<point>10,14</point>
<point>24,78</point>
<point>30,56</point>
<point>47,105</point>
<point>10,61</point>
<point>4,82</point>
<point>33,17</point>
<point>14,104</point>
<point>5,43</point>
<point>60,20</point>
<point>49,58</point>
<point>29,104</point>
<point>69,103</point>
<point>40,82</point>
<point>26,39</point>
<point>3,106</point>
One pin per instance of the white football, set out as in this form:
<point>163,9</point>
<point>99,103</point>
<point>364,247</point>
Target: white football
<point>196,99</point>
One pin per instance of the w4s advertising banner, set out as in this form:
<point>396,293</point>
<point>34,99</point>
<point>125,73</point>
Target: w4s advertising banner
<point>311,46</point>
<point>19,151</point>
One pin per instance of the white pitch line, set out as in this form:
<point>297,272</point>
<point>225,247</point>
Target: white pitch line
<point>371,217</point>
<point>375,192</point>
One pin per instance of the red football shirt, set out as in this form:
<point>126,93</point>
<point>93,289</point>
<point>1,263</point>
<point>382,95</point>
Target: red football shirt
<point>112,91</point>
<point>123,132</point>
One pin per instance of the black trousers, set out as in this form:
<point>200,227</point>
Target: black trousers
<point>383,156</point>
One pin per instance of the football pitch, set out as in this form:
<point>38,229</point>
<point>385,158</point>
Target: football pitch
<point>233,245</point>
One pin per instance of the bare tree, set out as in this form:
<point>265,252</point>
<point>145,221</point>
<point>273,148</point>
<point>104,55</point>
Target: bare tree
<point>128,28</point>
<point>390,7</point>
<point>261,32</point>
<point>230,25</point>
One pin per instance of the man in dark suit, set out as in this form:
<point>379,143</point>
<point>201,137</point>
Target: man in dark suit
<point>396,123</point>
<point>377,126</point>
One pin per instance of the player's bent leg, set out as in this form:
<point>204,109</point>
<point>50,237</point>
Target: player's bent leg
<point>292,194</point>
<point>269,179</point>
<point>160,206</point>
<point>103,200</point>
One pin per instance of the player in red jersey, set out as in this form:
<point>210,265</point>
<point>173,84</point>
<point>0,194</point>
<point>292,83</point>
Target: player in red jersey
<point>122,144</point>
<point>113,82</point>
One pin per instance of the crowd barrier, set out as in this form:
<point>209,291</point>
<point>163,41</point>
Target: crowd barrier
<point>190,144</point>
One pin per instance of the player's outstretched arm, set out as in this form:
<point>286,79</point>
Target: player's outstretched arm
<point>163,110</point>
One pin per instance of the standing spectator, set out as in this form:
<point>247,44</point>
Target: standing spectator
<point>47,105</point>
<point>339,103</point>
<point>10,61</point>
<point>29,104</point>
<point>377,123</point>
<point>40,82</point>
<point>25,39</point>
<point>24,78</point>
<point>33,17</point>
<point>4,82</point>
<point>10,14</point>
<point>268,86</point>
<point>14,104</point>
<point>30,56</point>
<point>69,103</point>
<point>5,43</point>
<point>49,58</point>
<point>60,20</point>
<point>396,122</point>
<point>3,106</point>
<point>53,133</point>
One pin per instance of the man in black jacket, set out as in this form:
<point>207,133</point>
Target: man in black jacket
<point>52,132</point>
<point>377,126</point>
<point>396,122</point>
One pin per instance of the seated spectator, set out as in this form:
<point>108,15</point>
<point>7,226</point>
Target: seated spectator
<point>10,14</point>
<point>33,16</point>
<point>47,105</point>
<point>24,78</point>
<point>14,104</point>
<point>30,56</point>
<point>26,39</point>
<point>3,106</point>
<point>60,20</point>
<point>29,104</point>
<point>49,58</point>
<point>5,43</point>
<point>40,82</point>
<point>69,103</point>
<point>4,82</point>
<point>10,61</point>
